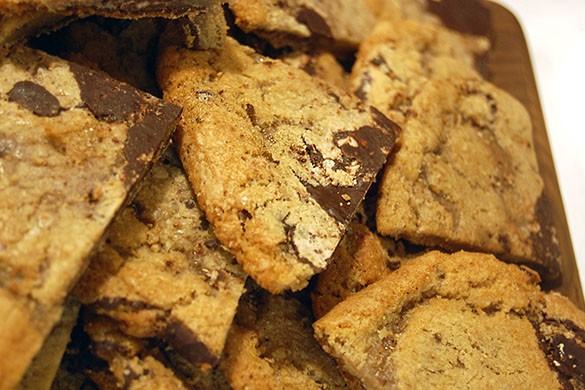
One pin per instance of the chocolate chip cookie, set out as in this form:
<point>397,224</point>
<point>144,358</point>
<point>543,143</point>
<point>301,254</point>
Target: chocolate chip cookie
<point>335,25</point>
<point>121,361</point>
<point>399,56</point>
<point>271,345</point>
<point>279,160</point>
<point>466,177</point>
<point>73,145</point>
<point>460,320</point>
<point>162,273</point>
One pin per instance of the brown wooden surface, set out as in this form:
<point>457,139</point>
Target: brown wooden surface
<point>508,65</point>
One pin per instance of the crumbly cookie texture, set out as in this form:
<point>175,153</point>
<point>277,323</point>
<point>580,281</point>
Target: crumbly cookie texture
<point>134,363</point>
<point>460,320</point>
<point>399,56</point>
<point>466,176</point>
<point>322,64</point>
<point>279,160</point>
<point>337,24</point>
<point>162,273</point>
<point>73,144</point>
<point>271,346</point>
<point>361,259</point>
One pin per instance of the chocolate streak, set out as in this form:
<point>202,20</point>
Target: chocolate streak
<point>151,122</point>
<point>176,333</point>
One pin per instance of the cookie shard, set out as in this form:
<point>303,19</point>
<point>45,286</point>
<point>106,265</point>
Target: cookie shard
<point>478,318</point>
<point>122,361</point>
<point>271,343</point>
<point>466,177</point>
<point>337,25</point>
<point>162,273</point>
<point>279,160</point>
<point>66,172</point>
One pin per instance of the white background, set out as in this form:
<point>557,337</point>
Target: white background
<point>555,32</point>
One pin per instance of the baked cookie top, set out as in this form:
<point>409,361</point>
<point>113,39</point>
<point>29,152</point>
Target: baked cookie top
<point>279,160</point>
<point>73,144</point>
<point>466,176</point>
<point>271,345</point>
<point>162,273</point>
<point>451,321</point>
<point>336,24</point>
<point>399,56</point>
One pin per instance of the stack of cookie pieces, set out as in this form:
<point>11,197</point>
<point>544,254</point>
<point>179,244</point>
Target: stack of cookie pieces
<point>340,181</point>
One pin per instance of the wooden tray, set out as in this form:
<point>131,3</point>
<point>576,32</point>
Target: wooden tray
<point>508,66</point>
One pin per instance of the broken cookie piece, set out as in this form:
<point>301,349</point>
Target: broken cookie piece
<point>279,160</point>
<point>466,177</point>
<point>451,321</point>
<point>122,361</point>
<point>162,273</point>
<point>334,25</point>
<point>271,345</point>
<point>73,145</point>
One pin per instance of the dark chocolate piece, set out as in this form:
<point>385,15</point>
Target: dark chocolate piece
<point>35,98</point>
<point>314,22</point>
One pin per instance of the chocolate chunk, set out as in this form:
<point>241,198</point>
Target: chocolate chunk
<point>35,98</point>
<point>314,22</point>
<point>187,344</point>
<point>144,138</point>
<point>107,100</point>
<point>338,202</point>
<point>568,357</point>
<point>362,145</point>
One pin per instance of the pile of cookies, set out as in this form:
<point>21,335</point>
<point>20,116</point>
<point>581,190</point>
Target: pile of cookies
<point>269,194</point>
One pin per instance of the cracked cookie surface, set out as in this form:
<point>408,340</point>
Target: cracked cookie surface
<point>461,320</point>
<point>279,160</point>
<point>162,273</point>
<point>72,148</point>
<point>466,177</point>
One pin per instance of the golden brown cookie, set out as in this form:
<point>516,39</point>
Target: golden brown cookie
<point>121,361</point>
<point>271,346</point>
<point>73,145</point>
<point>453,321</point>
<point>279,160</point>
<point>162,273</point>
<point>334,25</point>
<point>361,259</point>
<point>466,177</point>
<point>399,56</point>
